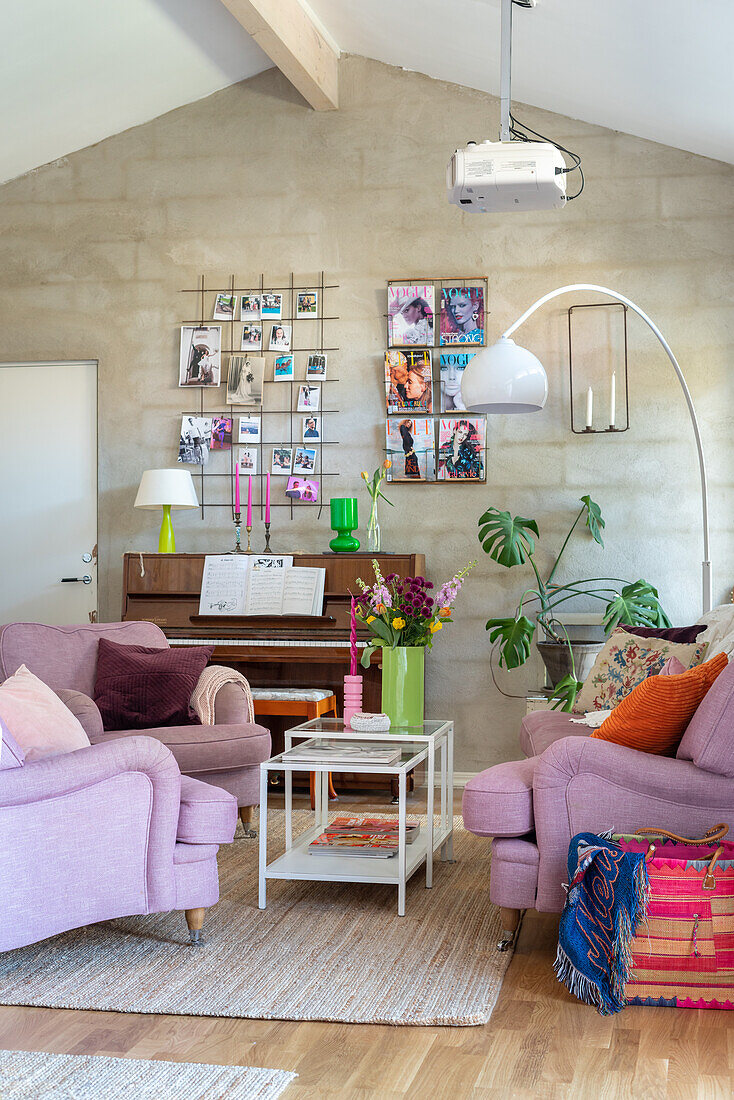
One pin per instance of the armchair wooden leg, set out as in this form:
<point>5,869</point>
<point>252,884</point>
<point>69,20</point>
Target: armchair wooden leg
<point>195,921</point>
<point>246,819</point>
<point>510,921</point>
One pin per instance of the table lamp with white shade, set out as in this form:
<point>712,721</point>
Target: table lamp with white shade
<point>166,489</point>
<point>507,378</point>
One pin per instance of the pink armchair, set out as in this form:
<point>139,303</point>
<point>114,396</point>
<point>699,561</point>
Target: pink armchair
<point>107,831</point>
<point>571,783</point>
<point>227,753</point>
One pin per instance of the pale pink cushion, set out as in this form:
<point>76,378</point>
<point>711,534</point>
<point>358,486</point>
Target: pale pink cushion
<point>40,722</point>
<point>672,667</point>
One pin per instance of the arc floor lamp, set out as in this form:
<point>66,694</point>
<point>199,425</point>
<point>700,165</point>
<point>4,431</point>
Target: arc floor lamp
<point>507,378</point>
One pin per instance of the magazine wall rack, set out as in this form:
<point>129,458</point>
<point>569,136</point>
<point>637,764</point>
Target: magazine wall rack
<point>280,420</point>
<point>433,326</point>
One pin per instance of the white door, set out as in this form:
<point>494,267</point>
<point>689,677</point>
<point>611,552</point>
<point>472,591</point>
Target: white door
<point>48,489</point>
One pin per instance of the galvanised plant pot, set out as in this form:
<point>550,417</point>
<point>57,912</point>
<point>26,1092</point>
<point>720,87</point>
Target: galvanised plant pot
<point>557,659</point>
<point>403,684</point>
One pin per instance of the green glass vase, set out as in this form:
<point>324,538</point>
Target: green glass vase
<point>344,521</point>
<point>402,684</point>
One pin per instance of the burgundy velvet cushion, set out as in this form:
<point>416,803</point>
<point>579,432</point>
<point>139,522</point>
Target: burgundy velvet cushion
<point>138,687</point>
<point>683,634</point>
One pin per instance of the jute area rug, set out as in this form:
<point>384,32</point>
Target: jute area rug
<point>26,1075</point>
<point>320,951</point>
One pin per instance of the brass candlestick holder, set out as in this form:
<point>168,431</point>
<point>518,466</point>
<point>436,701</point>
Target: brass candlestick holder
<point>267,549</point>
<point>238,535</point>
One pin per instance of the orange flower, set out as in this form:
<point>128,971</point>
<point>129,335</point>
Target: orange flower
<point>444,611</point>
<point>381,609</point>
<point>387,464</point>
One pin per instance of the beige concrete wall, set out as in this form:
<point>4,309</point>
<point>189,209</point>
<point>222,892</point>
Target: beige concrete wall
<point>94,251</point>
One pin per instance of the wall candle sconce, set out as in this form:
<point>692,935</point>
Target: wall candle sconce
<point>611,426</point>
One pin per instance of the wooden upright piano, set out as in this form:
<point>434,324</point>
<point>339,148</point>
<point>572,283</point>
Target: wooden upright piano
<point>274,652</point>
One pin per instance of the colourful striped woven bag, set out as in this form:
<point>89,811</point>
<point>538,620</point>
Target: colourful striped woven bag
<point>683,956</point>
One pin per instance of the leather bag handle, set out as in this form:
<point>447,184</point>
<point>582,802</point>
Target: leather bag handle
<point>711,836</point>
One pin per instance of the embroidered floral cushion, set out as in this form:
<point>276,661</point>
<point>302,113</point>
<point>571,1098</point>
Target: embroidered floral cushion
<point>624,662</point>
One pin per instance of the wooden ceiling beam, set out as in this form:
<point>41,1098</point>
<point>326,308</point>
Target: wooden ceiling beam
<point>286,32</point>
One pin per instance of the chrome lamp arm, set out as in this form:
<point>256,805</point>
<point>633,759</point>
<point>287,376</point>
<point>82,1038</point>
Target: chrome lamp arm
<point>706,563</point>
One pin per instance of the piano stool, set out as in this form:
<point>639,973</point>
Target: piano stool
<point>305,703</point>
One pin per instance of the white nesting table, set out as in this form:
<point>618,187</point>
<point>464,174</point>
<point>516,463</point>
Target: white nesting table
<point>433,742</point>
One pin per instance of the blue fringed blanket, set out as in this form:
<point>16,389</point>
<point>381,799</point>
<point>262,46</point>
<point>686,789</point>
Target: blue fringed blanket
<point>607,898</point>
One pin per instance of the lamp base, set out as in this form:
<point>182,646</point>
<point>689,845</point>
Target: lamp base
<point>344,543</point>
<point>166,538</point>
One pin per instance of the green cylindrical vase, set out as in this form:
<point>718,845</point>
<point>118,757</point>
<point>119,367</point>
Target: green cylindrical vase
<point>402,684</point>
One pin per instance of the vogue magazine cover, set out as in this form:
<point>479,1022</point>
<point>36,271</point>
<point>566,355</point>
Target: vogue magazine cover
<point>462,315</point>
<point>411,449</point>
<point>461,448</point>
<point>200,358</point>
<point>408,386</point>
<point>410,311</point>
<point>452,369</point>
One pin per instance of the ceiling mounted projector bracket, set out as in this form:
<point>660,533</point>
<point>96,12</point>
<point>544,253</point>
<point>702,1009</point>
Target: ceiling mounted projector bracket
<point>506,65</point>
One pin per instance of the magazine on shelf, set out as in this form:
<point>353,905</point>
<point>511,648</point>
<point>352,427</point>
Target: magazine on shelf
<point>410,311</point>
<point>232,586</point>
<point>375,826</point>
<point>462,315</point>
<point>408,385</point>
<point>372,847</point>
<point>411,449</point>
<point>343,752</point>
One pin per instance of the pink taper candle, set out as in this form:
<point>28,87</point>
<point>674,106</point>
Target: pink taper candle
<point>353,640</point>
<point>237,488</point>
<point>267,498</point>
<point>249,501</point>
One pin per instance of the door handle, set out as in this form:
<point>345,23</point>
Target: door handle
<point>86,579</point>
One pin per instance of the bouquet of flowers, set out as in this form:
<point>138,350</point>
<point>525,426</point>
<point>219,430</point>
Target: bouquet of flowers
<point>403,611</point>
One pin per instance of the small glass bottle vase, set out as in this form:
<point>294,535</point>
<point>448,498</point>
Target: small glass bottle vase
<point>374,542</point>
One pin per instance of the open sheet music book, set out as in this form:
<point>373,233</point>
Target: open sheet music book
<point>235,584</point>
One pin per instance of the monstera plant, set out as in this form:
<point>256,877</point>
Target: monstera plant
<point>510,541</point>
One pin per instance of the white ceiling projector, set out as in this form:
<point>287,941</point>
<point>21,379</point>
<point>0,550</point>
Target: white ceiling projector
<point>497,176</point>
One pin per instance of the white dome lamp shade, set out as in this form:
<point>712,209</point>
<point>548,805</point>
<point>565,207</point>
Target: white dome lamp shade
<point>166,489</point>
<point>504,378</point>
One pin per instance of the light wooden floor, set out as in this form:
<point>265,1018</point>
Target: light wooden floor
<point>540,1042</point>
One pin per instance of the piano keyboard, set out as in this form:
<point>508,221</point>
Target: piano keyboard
<point>300,643</point>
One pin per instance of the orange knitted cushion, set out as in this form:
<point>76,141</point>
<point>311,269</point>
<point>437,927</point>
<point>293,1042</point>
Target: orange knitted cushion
<point>654,716</point>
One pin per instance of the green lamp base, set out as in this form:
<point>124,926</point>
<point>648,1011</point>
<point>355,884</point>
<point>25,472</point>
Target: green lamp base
<point>166,539</point>
<point>344,543</point>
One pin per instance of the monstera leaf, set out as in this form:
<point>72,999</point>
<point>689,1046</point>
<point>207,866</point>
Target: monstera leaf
<point>594,520</point>
<point>515,636</point>
<point>564,693</point>
<point>507,539</point>
<point>638,605</point>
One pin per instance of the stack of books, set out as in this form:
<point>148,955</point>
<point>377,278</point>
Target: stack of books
<point>373,837</point>
<point>336,752</point>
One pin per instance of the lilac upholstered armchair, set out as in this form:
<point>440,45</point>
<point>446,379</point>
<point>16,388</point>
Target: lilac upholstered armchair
<point>107,831</point>
<point>228,753</point>
<point>570,783</point>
